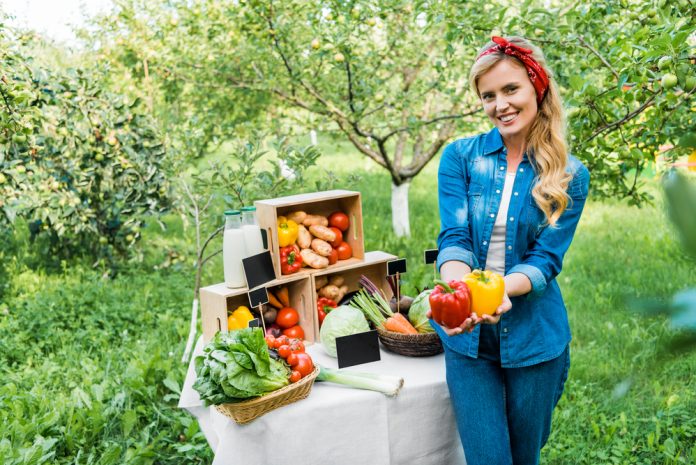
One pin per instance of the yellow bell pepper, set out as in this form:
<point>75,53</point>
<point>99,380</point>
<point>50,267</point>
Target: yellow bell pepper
<point>487,289</point>
<point>239,319</point>
<point>287,231</point>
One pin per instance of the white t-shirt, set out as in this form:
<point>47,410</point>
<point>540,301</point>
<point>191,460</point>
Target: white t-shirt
<point>495,260</point>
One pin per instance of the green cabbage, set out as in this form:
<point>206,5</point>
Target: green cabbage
<point>236,366</point>
<point>416,314</point>
<point>342,321</point>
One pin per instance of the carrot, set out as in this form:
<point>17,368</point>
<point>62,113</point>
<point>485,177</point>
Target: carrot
<point>282,293</point>
<point>399,324</point>
<point>274,301</point>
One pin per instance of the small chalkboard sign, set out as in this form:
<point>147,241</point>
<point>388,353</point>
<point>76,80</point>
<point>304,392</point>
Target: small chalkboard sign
<point>396,266</point>
<point>258,297</point>
<point>258,270</point>
<point>255,323</point>
<point>357,349</point>
<point>430,256</point>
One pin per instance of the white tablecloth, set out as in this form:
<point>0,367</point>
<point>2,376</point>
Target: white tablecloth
<point>339,425</point>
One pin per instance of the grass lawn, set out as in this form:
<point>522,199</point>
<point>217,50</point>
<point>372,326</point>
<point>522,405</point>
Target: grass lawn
<point>90,367</point>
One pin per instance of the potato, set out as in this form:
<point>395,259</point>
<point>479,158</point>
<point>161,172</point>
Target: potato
<point>330,292</point>
<point>316,220</point>
<point>323,248</point>
<point>313,259</point>
<point>342,291</point>
<point>321,281</point>
<point>298,216</point>
<point>336,280</point>
<point>322,232</point>
<point>304,238</point>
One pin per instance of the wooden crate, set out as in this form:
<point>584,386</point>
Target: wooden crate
<point>316,203</point>
<point>217,301</point>
<point>374,267</point>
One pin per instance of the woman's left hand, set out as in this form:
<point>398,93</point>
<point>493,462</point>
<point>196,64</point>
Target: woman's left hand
<point>495,318</point>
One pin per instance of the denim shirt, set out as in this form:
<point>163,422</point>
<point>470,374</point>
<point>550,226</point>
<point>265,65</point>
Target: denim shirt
<point>470,184</point>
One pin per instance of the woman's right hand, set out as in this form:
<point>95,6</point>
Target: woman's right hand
<point>467,325</point>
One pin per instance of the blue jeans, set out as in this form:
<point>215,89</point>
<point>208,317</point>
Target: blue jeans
<point>504,414</point>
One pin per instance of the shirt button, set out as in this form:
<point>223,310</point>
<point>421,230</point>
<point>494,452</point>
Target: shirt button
<point>512,219</point>
<point>509,247</point>
<point>521,170</point>
<point>492,215</point>
<point>502,168</point>
<point>505,330</point>
<point>485,242</point>
<point>515,193</point>
<point>497,191</point>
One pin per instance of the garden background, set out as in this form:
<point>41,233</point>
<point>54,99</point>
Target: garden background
<point>118,156</point>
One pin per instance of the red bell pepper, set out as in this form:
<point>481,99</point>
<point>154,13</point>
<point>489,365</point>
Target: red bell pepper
<point>290,259</point>
<point>450,303</point>
<point>324,306</point>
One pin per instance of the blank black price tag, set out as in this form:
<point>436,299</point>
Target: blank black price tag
<point>357,349</point>
<point>258,269</point>
<point>430,256</point>
<point>396,266</point>
<point>258,297</point>
<point>255,323</point>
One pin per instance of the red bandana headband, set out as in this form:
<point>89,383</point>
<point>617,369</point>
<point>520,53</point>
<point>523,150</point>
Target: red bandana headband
<point>536,73</point>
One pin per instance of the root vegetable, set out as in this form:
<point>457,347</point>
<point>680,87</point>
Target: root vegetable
<point>269,315</point>
<point>321,281</point>
<point>321,247</point>
<point>273,300</point>
<point>311,220</point>
<point>336,280</point>
<point>330,292</point>
<point>313,259</point>
<point>298,216</point>
<point>342,291</point>
<point>322,232</point>
<point>304,238</point>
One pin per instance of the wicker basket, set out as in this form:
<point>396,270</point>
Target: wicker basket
<point>248,410</point>
<point>412,345</point>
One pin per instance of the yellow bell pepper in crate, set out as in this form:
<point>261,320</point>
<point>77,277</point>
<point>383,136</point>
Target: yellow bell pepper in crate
<point>287,231</point>
<point>239,319</point>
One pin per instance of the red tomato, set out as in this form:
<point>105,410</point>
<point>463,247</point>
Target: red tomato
<point>339,220</point>
<point>345,251</point>
<point>295,376</point>
<point>295,331</point>
<point>304,364</point>
<point>292,359</point>
<point>270,340</point>
<point>333,257</point>
<point>284,351</point>
<point>281,341</point>
<point>339,237</point>
<point>296,345</point>
<point>287,317</point>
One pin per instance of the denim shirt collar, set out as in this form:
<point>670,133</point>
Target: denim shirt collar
<point>493,142</point>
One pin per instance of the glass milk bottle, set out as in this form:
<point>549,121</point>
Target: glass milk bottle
<point>252,231</point>
<point>233,249</point>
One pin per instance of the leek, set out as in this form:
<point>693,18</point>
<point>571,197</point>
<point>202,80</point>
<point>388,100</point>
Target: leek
<point>386,384</point>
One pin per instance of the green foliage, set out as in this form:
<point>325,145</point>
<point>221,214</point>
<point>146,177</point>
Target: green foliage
<point>82,165</point>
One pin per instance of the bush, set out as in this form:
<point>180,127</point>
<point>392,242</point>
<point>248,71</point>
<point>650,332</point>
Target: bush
<point>81,164</point>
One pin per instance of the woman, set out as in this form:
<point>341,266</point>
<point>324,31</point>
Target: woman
<point>510,201</point>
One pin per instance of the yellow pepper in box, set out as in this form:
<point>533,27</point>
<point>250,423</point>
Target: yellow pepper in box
<point>487,290</point>
<point>287,231</point>
<point>239,319</point>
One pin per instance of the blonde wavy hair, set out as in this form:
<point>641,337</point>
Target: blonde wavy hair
<point>546,141</point>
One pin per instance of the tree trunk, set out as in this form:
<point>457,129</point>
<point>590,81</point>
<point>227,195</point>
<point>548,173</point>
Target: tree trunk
<point>399,205</point>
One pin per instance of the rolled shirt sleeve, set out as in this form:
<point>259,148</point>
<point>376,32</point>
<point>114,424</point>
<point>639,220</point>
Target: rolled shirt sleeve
<point>454,241</point>
<point>544,259</point>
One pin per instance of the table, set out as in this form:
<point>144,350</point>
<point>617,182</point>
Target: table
<point>339,425</point>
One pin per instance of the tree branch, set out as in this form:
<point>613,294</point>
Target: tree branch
<point>350,87</point>
<point>613,126</point>
<point>601,58</point>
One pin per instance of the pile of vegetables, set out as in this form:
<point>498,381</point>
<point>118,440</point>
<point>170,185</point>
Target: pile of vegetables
<point>375,307</point>
<point>312,240</point>
<point>241,364</point>
<point>280,318</point>
<point>236,366</point>
<point>330,292</point>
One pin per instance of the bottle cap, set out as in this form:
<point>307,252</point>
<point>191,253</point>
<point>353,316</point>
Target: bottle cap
<point>232,212</point>
<point>248,209</point>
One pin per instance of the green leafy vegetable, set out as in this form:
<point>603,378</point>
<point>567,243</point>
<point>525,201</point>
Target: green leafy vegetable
<point>236,366</point>
<point>342,321</point>
<point>417,312</point>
